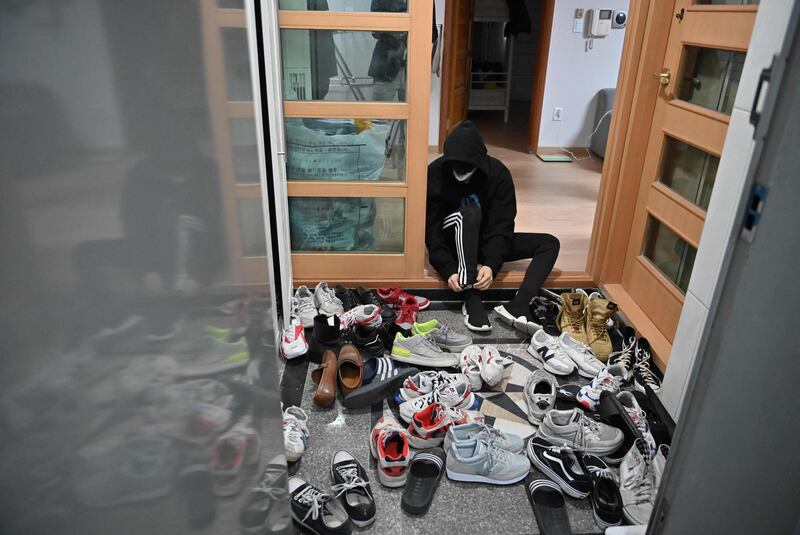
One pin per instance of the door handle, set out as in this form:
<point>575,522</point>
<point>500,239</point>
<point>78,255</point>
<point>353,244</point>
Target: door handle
<point>663,77</point>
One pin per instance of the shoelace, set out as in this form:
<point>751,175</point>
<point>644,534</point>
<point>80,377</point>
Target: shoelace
<point>646,373</point>
<point>304,305</point>
<point>428,341</point>
<point>263,486</point>
<point>314,499</point>
<point>596,471</point>
<point>329,296</point>
<point>587,425</point>
<point>598,330</point>
<point>293,428</point>
<point>575,321</point>
<point>408,312</point>
<point>495,455</point>
<point>352,480</point>
<point>623,356</point>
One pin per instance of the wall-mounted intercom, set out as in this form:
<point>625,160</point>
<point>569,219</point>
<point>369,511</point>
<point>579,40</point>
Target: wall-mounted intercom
<point>599,21</point>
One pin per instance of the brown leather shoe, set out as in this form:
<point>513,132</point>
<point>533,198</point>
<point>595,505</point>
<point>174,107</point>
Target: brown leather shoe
<point>351,369</point>
<point>325,379</point>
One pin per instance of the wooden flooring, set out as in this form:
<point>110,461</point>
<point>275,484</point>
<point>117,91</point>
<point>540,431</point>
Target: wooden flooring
<point>556,198</point>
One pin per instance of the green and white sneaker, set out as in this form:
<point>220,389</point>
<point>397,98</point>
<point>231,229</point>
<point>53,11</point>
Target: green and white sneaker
<point>421,350</point>
<point>483,461</point>
<point>443,336</point>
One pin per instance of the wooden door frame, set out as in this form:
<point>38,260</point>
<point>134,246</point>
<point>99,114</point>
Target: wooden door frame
<point>547,11</point>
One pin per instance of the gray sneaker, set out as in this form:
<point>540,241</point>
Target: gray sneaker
<point>478,430</point>
<point>303,306</point>
<point>540,395</point>
<point>443,335</point>
<point>421,350</point>
<point>574,429</point>
<point>482,461</point>
<point>326,301</point>
<point>640,477</point>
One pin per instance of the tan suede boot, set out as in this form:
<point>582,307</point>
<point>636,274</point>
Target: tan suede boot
<point>572,317</point>
<point>597,313</point>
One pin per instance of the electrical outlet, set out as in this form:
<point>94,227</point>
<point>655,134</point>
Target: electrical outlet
<point>557,113</point>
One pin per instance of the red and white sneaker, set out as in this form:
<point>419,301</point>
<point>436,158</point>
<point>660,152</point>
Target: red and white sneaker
<point>409,312</point>
<point>364,315</point>
<point>237,448</point>
<point>429,426</point>
<point>424,383</point>
<point>455,396</point>
<point>388,444</point>
<point>293,342</point>
<point>469,362</point>
<point>395,297</point>
<point>492,365</point>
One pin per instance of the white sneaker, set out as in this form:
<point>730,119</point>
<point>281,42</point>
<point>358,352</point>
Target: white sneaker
<point>468,362</point>
<point>610,379</point>
<point>326,301</point>
<point>303,306</point>
<point>364,315</point>
<point>455,396</point>
<point>423,383</point>
<point>293,341</point>
<point>295,432</point>
<point>583,357</point>
<point>546,349</point>
<point>492,365</point>
<point>638,417</point>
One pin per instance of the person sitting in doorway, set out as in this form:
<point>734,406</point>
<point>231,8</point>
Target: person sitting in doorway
<point>469,229</point>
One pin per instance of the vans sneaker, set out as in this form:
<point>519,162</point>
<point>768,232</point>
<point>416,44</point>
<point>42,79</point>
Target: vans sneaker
<point>428,426</point>
<point>395,297</point>
<point>546,349</point>
<point>303,306</point>
<point>492,365</point>
<point>463,432</point>
<point>561,465</point>
<point>444,337</point>
<point>388,444</point>
<point>609,379</point>
<point>643,373</point>
<point>364,315</point>
<point>295,432</point>
<point>293,341</point>
<point>326,301</point>
<point>578,431</point>
<point>468,362</point>
<point>587,364</point>
<point>421,350</point>
<point>424,383</point>
<point>457,396</point>
<point>540,395</point>
<point>625,357</point>
<point>572,316</point>
<point>483,461</point>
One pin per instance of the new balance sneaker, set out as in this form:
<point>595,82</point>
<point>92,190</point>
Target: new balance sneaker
<point>625,357</point>
<point>347,296</point>
<point>463,432</point>
<point>444,337</point>
<point>609,379</point>
<point>572,316</point>
<point>598,311</point>
<point>364,315</point>
<point>237,448</point>
<point>455,396</point>
<point>370,297</point>
<point>424,383</point>
<point>303,306</point>
<point>546,349</point>
<point>395,297</point>
<point>388,444</point>
<point>578,431</point>
<point>638,417</point>
<point>483,461</point>
<point>561,465</point>
<point>468,362</point>
<point>295,432</point>
<point>605,496</point>
<point>266,508</point>
<point>421,350</point>
<point>316,510</point>
<point>351,485</point>
<point>409,312</point>
<point>428,426</point>
<point>540,395</point>
<point>643,373</point>
<point>326,301</point>
<point>586,363</point>
<point>293,341</point>
<point>492,365</point>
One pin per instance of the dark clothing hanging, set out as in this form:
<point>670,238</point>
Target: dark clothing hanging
<point>518,20</point>
<point>323,55</point>
<point>389,55</point>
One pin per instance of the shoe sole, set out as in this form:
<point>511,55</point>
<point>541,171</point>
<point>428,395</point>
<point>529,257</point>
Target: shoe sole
<point>419,360</point>
<point>535,354</point>
<point>482,329</point>
<point>601,523</point>
<point>474,478</point>
<point>640,387</point>
<point>555,477</point>
<point>309,528</point>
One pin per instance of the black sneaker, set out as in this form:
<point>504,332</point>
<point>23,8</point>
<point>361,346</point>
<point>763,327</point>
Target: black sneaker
<point>644,372</point>
<point>351,484</point>
<point>605,497</point>
<point>347,296</point>
<point>317,511</point>
<point>567,397</point>
<point>544,313</point>
<point>625,356</point>
<point>560,465</point>
<point>368,341</point>
<point>388,331</point>
<point>370,297</point>
<point>266,510</point>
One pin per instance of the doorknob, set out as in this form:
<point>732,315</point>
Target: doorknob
<point>663,77</point>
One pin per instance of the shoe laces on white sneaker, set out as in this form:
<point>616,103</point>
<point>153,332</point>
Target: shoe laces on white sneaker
<point>314,499</point>
<point>586,426</point>
<point>352,480</point>
<point>430,343</point>
<point>495,455</point>
<point>294,425</point>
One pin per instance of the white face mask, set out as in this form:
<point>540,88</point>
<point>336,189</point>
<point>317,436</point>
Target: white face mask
<point>465,176</point>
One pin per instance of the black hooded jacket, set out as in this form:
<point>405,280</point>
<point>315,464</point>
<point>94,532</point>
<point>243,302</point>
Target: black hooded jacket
<point>491,184</point>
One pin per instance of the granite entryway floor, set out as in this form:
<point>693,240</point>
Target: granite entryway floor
<point>458,508</point>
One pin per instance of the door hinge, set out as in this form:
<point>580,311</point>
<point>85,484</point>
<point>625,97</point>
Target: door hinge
<point>765,77</point>
<point>753,212</point>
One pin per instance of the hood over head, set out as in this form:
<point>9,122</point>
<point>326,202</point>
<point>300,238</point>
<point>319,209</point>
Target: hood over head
<point>464,144</point>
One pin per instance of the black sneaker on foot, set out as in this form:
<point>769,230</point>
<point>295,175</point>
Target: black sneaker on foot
<point>605,497</point>
<point>475,317</point>
<point>351,484</point>
<point>317,511</point>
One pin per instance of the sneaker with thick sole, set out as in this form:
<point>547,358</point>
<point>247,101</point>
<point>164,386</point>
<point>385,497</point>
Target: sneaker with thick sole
<point>586,363</point>
<point>540,395</point>
<point>293,341</point>
<point>395,297</point>
<point>546,349</point>
<point>326,301</point>
<point>455,396</point>
<point>572,316</point>
<point>388,444</point>
<point>365,315</point>
<point>444,336</point>
<point>351,485</point>
<point>643,372</point>
<point>463,432</point>
<point>472,325</point>
<point>492,366</point>
<point>429,426</point>
<point>625,357</point>
<point>468,362</point>
<point>483,461</point>
<point>609,379</point>
<point>578,431</point>
<point>303,306</point>
<point>316,510</point>
<point>295,432</point>
<point>421,350</point>
<point>560,464</point>
<point>424,383</point>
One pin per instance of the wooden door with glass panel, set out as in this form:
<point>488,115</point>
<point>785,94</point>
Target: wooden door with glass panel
<point>707,44</point>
